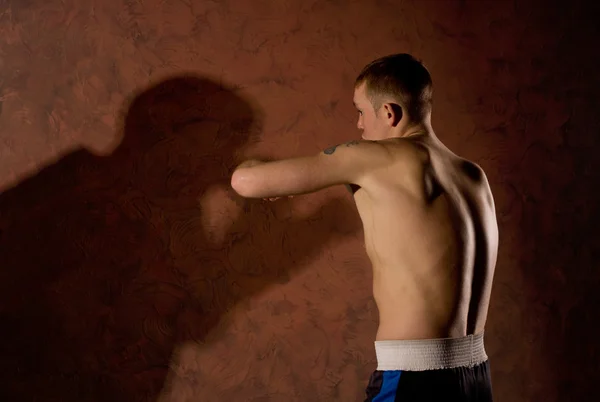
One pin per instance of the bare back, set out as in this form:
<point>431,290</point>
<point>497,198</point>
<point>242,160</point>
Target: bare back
<point>432,244</point>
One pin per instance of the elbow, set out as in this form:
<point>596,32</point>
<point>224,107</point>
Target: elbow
<point>240,183</point>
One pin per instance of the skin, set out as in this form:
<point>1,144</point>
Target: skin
<point>428,217</point>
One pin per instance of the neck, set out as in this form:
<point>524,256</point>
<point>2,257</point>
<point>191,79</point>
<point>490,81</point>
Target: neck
<point>410,129</point>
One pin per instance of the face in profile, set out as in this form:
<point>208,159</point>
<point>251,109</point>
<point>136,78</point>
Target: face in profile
<point>373,124</point>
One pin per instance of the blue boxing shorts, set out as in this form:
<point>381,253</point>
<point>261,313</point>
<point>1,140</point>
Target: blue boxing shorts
<point>449,369</point>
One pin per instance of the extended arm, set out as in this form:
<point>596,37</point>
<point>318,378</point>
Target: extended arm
<point>349,163</point>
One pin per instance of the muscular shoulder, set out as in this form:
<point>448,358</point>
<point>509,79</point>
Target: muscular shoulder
<point>476,178</point>
<point>407,153</point>
<point>366,163</point>
<point>406,164</point>
<point>354,160</point>
<point>472,171</point>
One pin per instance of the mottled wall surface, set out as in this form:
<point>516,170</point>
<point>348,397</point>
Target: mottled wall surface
<point>129,271</point>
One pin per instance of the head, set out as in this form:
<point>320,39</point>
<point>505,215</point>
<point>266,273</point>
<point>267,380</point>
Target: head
<point>393,96</point>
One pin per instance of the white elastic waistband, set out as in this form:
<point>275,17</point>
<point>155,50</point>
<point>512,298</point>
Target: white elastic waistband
<point>430,354</point>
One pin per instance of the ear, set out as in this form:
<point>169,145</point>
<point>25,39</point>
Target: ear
<point>392,113</point>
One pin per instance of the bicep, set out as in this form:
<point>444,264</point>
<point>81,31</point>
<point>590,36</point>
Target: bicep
<point>351,162</point>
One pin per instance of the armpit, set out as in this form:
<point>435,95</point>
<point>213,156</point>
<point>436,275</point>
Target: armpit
<point>352,188</point>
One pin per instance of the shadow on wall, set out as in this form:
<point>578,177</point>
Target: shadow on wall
<point>109,263</point>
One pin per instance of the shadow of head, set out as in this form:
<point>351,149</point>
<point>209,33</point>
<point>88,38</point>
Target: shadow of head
<point>120,249</point>
<point>190,123</point>
<point>96,234</point>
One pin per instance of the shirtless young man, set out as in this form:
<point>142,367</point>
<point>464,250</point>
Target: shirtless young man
<point>430,232</point>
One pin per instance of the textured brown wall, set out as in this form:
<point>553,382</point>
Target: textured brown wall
<point>130,272</point>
